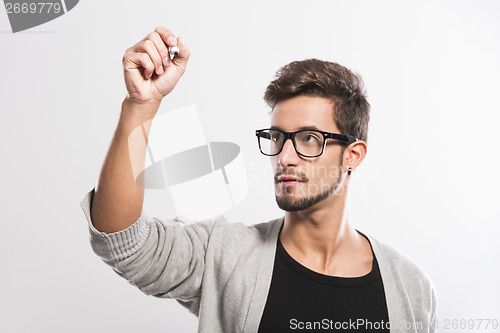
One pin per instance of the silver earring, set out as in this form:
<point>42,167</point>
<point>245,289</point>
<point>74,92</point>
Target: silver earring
<point>349,171</point>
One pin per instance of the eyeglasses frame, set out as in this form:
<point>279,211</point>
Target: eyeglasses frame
<point>291,135</point>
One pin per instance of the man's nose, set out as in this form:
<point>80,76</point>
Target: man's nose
<point>288,155</point>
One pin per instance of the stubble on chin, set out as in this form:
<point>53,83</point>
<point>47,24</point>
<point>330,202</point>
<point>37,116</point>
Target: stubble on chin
<point>305,196</point>
<point>300,200</point>
<point>290,202</point>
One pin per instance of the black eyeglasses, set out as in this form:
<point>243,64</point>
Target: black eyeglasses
<point>307,143</point>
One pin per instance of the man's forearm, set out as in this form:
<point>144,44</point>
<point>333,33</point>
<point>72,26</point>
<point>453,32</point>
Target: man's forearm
<point>118,200</point>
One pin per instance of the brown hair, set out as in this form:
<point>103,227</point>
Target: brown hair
<point>313,77</point>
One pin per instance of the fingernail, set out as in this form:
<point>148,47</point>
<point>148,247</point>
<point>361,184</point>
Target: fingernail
<point>160,70</point>
<point>171,40</point>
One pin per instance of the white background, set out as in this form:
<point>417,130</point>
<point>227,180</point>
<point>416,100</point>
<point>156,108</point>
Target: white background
<point>429,185</point>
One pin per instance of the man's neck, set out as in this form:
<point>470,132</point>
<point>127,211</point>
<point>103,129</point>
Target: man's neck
<point>323,239</point>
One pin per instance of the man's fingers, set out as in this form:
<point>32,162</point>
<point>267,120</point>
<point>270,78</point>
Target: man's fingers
<point>156,46</point>
<point>138,60</point>
<point>169,39</point>
<point>160,46</point>
<point>165,34</point>
<point>148,46</point>
<point>147,63</point>
<point>152,55</point>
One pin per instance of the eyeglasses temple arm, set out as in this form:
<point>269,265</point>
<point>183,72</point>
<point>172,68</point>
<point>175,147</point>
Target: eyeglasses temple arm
<point>342,137</point>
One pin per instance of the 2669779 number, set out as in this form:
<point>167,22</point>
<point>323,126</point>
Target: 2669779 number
<point>469,324</point>
<point>32,8</point>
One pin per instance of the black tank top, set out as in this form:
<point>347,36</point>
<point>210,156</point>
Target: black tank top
<point>300,299</point>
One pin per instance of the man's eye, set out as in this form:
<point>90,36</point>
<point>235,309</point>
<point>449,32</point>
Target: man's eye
<point>310,138</point>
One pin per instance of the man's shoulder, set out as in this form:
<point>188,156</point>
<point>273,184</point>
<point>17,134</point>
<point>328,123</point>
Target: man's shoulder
<point>221,228</point>
<point>405,279</point>
<point>401,265</point>
<point>261,229</point>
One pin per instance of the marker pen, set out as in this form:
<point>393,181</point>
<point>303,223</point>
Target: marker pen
<point>173,50</point>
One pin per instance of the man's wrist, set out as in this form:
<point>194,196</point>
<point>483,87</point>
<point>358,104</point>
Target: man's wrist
<point>148,106</point>
<point>135,114</point>
<point>142,109</point>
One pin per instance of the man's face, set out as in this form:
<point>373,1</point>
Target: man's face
<point>318,177</point>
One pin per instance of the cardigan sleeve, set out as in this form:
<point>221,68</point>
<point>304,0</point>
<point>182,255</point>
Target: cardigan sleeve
<point>162,258</point>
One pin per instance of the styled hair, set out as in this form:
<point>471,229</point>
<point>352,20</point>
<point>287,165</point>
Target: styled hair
<point>313,77</point>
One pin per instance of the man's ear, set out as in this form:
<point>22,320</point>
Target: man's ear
<point>354,154</point>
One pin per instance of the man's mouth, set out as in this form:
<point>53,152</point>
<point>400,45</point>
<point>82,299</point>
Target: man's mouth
<point>288,180</point>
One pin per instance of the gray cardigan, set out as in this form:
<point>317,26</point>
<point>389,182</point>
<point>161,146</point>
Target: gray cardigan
<point>222,271</point>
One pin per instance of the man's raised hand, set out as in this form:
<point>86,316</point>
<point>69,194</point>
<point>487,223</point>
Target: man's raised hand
<point>149,72</point>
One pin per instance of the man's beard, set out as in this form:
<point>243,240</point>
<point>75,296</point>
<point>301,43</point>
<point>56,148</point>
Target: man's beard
<point>290,204</point>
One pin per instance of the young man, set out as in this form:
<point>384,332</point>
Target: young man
<point>310,269</point>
